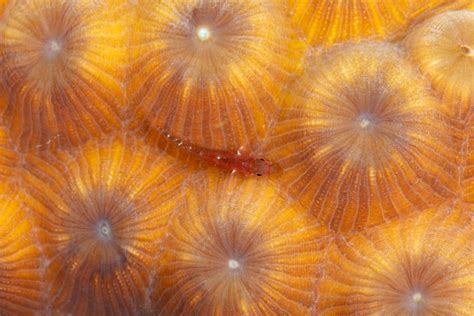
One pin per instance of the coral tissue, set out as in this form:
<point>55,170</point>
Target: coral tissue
<point>236,157</point>
<point>237,247</point>
<point>361,140</point>
<point>101,212</point>
<point>209,72</point>
<point>63,63</point>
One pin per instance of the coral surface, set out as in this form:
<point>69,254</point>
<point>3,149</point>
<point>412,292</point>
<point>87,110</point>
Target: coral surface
<point>209,72</point>
<point>361,140</point>
<point>239,248</point>
<point>63,65</point>
<point>443,47</point>
<point>101,212</point>
<point>422,265</point>
<point>236,157</point>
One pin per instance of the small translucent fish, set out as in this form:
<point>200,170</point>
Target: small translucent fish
<point>239,162</point>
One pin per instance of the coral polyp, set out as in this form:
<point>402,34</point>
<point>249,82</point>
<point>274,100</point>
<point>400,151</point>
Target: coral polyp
<point>101,212</point>
<point>237,247</point>
<point>63,71</point>
<point>443,47</point>
<point>468,163</point>
<point>209,72</point>
<point>362,141</point>
<point>421,266</point>
<point>20,259</point>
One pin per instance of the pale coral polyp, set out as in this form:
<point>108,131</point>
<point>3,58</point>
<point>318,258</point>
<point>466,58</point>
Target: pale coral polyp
<point>361,139</point>
<point>422,265</point>
<point>443,48</point>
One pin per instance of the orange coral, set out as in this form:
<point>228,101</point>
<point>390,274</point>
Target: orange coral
<point>209,72</point>
<point>443,47</point>
<point>237,247</point>
<point>423,266</point>
<point>467,166</point>
<point>20,259</point>
<point>327,21</point>
<point>330,21</point>
<point>3,4</point>
<point>362,141</point>
<point>101,213</point>
<point>63,65</point>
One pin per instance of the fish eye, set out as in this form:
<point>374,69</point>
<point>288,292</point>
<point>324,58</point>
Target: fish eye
<point>261,159</point>
<point>259,174</point>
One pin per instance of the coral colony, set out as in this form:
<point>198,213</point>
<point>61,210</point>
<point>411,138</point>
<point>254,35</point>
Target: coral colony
<point>223,157</point>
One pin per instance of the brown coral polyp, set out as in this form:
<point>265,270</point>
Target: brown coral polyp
<point>237,247</point>
<point>361,140</point>
<point>101,212</point>
<point>63,71</point>
<point>209,72</point>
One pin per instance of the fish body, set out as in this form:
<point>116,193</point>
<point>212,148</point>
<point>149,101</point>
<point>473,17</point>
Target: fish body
<point>238,162</point>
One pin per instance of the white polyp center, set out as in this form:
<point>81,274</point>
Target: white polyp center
<point>233,264</point>
<point>203,33</point>
<point>52,49</point>
<point>414,302</point>
<point>104,230</point>
<point>365,121</point>
<point>417,297</point>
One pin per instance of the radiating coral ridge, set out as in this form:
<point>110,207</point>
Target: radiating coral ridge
<point>209,72</point>
<point>20,259</point>
<point>8,157</point>
<point>326,22</point>
<point>423,266</point>
<point>362,141</point>
<point>101,213</point>
<point>238,248</point>
<point>64,63</point>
